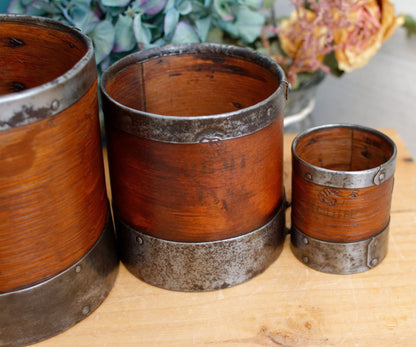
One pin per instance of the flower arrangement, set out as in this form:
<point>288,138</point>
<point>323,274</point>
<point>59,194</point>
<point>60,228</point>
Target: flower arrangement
<point>329,35</point>
<point>334,36</point>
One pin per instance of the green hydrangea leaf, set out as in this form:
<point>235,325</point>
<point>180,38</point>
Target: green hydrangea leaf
<point>142,33</point>
<point>82,16</point>
<point>184,7</point>
<point>124,39</point>
<point>223,9</point>
<point>249,24</point>
<point>203,26</point>
<point>216,35</point>
<point>254,4</point>
<point>15,6</point>
<point>184,33</point>
<point>171,21</point>
<point>102,37</point>
<point>115,3</point>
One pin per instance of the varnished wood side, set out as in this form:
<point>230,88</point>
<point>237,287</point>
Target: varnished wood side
<point>53,201</point>
<point>208,190</point>
<point>197,192</point>
<point>340,215</point>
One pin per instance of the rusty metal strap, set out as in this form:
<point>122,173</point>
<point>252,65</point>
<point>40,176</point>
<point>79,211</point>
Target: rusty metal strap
<point>339,258</point>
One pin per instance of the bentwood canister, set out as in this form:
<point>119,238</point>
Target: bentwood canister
<point>195,146</point>
<point>342,184</point>
<point>57,252</point>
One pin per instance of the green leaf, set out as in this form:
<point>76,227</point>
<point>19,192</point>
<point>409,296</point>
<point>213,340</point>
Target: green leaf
<point>81,15</point>
<point>184,33</point>
<point>203,25</point>
<point>171,20</point>
<point>249,24</point>
<point>142,33</point>
<point>331,61</point>
<point>223,9</point>
<point>254,4</point>
<point>169,4</point>
<point>16,6</point>
<point>216,35</point>
<point>268,3</point>
<point>410,25</point>
<point>102,37</point>
<point>115,3</point>
<point>124,36</point>
<point>184,7</point>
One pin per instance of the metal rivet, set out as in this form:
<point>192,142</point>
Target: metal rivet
<point>55,105</point>
<point>139,240</point>
<point>382,177</point>
<point>78,268</point>
<point>305,260</point>
<point>374,262</point>
<point>269,112</point>
<point>305,241</point>
<point>85,310</point>
<point>308,176</point>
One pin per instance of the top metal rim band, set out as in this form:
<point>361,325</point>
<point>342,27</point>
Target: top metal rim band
<point>196,129</point>
<point>46,100</point>
<point>345,179</point>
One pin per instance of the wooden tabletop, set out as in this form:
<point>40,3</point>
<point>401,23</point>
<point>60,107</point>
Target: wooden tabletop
<point>288,305</point>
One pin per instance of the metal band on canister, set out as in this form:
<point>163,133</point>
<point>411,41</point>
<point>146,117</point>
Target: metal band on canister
<point>195,147</point>
<point>342,182</point>
<point>35,313</point>
<point>340,257</point>
<point>201,266</point>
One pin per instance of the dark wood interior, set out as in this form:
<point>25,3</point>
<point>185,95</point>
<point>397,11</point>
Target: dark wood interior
<point>31,55</point>
<point>189,85</point>
<point>344,149</point>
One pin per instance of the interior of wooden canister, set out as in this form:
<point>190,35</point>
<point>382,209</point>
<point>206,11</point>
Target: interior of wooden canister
<point>32,55</point>
<point>344,149</point>
<point>192,85</point>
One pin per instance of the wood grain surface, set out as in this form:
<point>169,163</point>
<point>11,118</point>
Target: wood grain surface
<point>197,192</point>
<point>53,204</point>
<point>288,305</point>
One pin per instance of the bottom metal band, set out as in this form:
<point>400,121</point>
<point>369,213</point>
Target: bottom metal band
<point>339,258</point>
<point>44,310</point>
<point>201,266</point>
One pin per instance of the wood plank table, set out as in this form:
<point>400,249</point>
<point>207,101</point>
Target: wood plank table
<point>288,305</point>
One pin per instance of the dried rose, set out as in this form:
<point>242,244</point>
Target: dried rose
<point>303,40</point>
<point>372,22</point>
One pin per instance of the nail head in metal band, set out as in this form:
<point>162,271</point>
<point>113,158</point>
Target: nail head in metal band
<point>177,129</point>
<point>46,100</point>
<point>201,266</point>
<point>345,179</point>
<point>33,314</point>
<point>339,258</point>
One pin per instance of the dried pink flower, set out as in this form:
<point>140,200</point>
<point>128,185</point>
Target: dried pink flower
<point>317,28</point>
